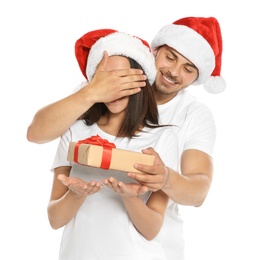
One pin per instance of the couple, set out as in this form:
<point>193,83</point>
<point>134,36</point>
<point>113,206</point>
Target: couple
<point>135,216</point>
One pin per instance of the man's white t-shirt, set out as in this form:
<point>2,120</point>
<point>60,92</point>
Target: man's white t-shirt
<point>193,122</point>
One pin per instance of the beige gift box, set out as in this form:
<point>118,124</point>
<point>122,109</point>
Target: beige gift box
<point>107,158</point>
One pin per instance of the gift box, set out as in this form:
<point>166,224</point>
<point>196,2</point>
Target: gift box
<point>98,152</point>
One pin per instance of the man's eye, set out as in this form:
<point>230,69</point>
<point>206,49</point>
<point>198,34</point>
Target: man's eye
<point>188,70</point>
<point>170,58</point>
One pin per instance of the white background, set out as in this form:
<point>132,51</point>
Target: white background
<point>38,66</point>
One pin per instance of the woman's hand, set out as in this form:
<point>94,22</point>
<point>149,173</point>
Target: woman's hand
<point>80,186</point>
<point>125,189</point>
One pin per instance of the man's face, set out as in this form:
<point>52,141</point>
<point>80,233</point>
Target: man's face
<point>174,72</point>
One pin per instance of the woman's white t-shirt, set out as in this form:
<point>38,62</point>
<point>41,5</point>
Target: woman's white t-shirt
<point>101,229</point>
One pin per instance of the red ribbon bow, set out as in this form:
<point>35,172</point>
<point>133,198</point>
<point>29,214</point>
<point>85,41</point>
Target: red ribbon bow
<point>97,140</point>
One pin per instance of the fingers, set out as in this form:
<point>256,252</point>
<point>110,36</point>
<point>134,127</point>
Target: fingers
<point>102,65</point>
<point>113,184</point>
<point>92,187</point>
<point>131,77</point>
<point>129,91</point>
<point>134,74</point>
<point>150,151</point>
<point>107,86</point>
<point>154,177</point>
<point>125,189</point>
<point>85,188</point>
<point>79,186</point>
<point>125,79</point>
<point>157,162</point>
<point>148,169</point>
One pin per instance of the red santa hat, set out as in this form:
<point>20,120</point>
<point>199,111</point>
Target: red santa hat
<point>199,40</point>
<point>89,50</point>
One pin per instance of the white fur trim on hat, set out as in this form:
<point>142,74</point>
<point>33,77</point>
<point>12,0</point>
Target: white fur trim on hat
<point>191,45</point>
<point>215,85</point>
<point>119,43</point>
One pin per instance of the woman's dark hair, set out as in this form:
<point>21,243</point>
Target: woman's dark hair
<point>141,110</point>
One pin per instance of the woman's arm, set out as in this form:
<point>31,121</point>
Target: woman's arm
<point>67,196</point>
<point>147,218</point>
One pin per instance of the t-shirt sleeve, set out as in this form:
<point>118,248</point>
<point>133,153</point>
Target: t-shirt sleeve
<point>60,158</point>
<point>202,131</point>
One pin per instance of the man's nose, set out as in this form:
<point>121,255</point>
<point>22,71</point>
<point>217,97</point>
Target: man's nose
<point>174,70</point>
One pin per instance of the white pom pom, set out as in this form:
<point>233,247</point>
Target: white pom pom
<point>215,85</point>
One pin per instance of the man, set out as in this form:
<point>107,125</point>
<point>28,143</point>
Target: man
<point>186,52</point>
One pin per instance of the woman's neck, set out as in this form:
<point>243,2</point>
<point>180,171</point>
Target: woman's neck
<point>111,123</point>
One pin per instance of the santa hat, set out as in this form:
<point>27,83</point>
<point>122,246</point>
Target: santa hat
<point>89,50</point>
<point>199,40</point>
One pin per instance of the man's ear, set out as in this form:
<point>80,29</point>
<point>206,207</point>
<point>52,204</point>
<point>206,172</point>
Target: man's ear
<point>155,52</point>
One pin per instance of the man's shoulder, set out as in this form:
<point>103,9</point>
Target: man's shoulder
<point>183,108</point>
<point>188,102</point>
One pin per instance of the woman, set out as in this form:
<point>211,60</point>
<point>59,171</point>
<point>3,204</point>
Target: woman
<point>106,215</point>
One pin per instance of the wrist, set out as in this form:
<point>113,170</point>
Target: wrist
<point>166,185</point>
<point>166,178</point>
<point>85,97</point>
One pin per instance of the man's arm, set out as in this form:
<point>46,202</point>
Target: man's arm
<point>53,120</point>
<point>190,187</point>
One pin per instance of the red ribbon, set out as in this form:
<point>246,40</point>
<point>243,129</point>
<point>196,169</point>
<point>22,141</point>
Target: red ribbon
<point>97,140</point>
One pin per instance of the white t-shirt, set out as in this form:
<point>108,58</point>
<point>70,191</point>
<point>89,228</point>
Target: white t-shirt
<point>101,229</point>
<point>193,121</point>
